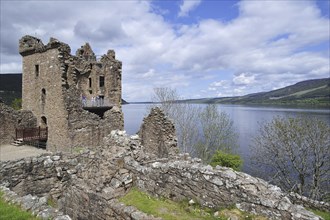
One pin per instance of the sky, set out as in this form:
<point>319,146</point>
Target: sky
<point>201,48</point>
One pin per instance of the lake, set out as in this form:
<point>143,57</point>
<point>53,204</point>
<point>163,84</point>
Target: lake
<point>247,120</point>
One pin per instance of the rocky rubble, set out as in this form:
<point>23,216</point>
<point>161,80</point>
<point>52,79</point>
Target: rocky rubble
<point>87,185</point>
<point>37,205</point>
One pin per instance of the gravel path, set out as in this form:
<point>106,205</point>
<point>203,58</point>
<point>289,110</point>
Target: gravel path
<point>10,152</point>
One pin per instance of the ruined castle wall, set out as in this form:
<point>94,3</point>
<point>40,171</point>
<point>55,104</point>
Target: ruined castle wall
<point>87,129</point>
<point>113,84</point>
<point>87,185</point>
<point>219,187</point>
<point>42,94</point>
<point>11,119</point>
<point>157,134</point>
<point>54,82</point>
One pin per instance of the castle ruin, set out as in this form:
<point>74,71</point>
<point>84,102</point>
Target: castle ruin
<point>58,93</point>
<point>64,91</point>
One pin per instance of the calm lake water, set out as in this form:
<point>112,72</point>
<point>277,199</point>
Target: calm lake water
<point>247,120</point>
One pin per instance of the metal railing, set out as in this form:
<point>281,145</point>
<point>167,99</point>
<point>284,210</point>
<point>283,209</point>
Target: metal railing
<point>32,134</point>
<point>97,102</point>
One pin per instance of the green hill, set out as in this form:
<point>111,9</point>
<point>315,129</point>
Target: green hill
<point>10,87</point>
<point>309,92</point>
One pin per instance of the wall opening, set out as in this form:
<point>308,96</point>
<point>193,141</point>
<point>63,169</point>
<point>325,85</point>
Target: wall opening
<point>43,121</point>
<point>101,81</point>
<point>90,82</point>
<point>36,70</point>
<point>43,100</point>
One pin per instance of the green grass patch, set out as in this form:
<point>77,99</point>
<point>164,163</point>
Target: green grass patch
<point>323,214</point>
<point>170,210</point>
<point>13,212</point>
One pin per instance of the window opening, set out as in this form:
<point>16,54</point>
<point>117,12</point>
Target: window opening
<point>101,81</point>
<point>44,121</point>
<point>36,70</point>
<point>43,99</point>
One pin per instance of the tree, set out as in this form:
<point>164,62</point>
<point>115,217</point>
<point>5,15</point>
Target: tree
<point>200,132</point>
<point>295,154</point>
<point>226,160</point>
<point>217,133</point>
<point>184,116</point>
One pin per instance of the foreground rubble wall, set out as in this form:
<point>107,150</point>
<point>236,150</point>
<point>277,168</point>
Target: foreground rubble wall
<point>180,179</point>
<point>87,185</point>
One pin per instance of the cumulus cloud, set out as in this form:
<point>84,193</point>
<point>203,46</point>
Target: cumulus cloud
<point>268,44</point>
<point>187,6</point>
<point>244,79</point>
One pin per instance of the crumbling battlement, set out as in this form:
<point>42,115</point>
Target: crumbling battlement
<point>59,87</point>
<point>158,134</point>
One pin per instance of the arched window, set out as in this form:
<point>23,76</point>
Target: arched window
<point>43,121</point>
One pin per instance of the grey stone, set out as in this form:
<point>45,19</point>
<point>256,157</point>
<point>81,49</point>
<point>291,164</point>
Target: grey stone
<point>48,162</point>
<point>62,217</point>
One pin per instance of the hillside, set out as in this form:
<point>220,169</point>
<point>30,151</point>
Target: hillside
<point>309,92</point>
<point>11,87</point>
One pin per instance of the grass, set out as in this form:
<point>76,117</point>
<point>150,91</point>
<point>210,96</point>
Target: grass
<point>13,212</point>
<point>170,210</point>
<point>324,215</point>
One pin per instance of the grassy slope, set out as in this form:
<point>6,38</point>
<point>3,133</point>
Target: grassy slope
<point>13,212</point>
<point>169,210</point>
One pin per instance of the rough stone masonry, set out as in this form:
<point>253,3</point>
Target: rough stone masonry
<point>87,185</point>
<point>57,86</point>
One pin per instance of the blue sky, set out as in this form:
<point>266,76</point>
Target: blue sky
<point>201,48</point>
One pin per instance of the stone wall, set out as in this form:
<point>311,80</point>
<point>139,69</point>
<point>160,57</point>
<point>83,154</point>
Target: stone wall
<point>157,134</point>
<point>87,185</point>
<point>11,119</point>
<point>219,187</point>
<point>84,185</point>
<point>54,82</point>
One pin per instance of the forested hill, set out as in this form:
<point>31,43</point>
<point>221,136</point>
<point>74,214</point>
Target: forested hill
<point>11,87</point>
<point>309,92</point>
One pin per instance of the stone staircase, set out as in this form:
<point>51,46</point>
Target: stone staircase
<point>18,142</point>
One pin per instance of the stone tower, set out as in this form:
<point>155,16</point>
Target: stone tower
<point>59,88</point>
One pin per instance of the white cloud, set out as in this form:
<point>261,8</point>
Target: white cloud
<point>219,83</point>
<point>265,45</point>
<point>10,68</point>
<point>149,74</point>
<point>187,6</point>
<point>244,79</point>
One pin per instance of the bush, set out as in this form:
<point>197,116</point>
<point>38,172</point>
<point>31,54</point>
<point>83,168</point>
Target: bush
<point>226,160</point>
<point>16,104</point>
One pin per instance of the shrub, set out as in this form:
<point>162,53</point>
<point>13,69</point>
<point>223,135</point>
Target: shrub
<point>227,160</point>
